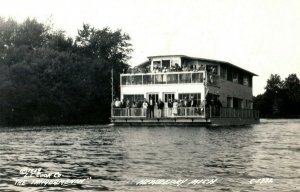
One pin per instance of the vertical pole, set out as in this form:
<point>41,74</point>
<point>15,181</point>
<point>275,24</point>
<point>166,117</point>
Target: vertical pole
<point>205,87</point>
<point>112,90</point>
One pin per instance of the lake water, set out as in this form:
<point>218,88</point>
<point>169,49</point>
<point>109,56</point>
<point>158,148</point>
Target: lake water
<point>262,157</point>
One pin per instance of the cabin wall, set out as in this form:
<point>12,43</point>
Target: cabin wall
<point>230,89</point>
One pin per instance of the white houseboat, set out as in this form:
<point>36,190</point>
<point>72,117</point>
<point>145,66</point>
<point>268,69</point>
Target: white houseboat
<point>183,90</point>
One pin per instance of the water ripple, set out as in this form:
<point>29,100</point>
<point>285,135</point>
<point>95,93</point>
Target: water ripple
<point>115,158</point>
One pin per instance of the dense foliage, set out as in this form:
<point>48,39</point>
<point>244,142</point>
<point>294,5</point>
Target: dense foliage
<point>49,78</point>
<point>281,98</point>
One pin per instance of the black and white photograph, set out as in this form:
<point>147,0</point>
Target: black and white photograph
<point>150,95</point>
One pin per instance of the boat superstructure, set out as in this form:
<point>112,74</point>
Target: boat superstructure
<point>179,89</point>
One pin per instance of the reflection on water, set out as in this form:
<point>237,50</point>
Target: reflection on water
<point>116,158</point>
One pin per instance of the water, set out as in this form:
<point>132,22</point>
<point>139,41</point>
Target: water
<point>118,158</point>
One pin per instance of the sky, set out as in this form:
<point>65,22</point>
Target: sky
<point>262,36</point>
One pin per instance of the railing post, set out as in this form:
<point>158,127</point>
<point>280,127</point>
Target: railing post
<point>210,111</point>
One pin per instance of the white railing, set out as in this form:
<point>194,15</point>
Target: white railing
<point>188,112</point>
<point>129,112</point>
<point>162,78</point>
<point>166,112</point>
<point>223,112</point>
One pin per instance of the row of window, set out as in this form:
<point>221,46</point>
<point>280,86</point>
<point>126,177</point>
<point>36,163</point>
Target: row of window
<point>166,97</point>
<point>236,77</point>
<point>233,102</point>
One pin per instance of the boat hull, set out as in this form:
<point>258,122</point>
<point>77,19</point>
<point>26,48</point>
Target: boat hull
<point>178,121</point>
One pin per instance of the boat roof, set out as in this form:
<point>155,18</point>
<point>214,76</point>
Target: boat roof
<point>202,59</point>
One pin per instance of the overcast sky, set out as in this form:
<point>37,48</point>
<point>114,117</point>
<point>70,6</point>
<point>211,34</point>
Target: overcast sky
<point>262,36</point>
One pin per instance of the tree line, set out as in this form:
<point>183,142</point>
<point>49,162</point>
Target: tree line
<point>281,98</point>
<point>47,77</point>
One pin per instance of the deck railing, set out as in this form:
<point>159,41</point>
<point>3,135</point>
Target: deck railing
<point>224,112</point>
<point>162,78</point>
<point>166,112</point>
<point>214,112</point>
<point>129,112</point>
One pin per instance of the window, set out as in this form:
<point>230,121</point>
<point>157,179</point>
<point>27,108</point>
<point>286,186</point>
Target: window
<point>168,96</point>
<point>166,63</point>
<point>197,96</point>
<point>240,103</point>
<point>172,78</point>
<point>237,103</point>
<point>223,72</point>
<point>154,96</point>
<point>246,81</point>
<point>156,64</point>
<point>135,98</point>
<point>185,78</point>
<point>229,102</point>
<point>148,79</point>
<point>160,79</point>
<point>229,74</point>
<point>197,77</point>
<point>235,77</point>
<point>240,79</point>
<point>212,69</point>
<point>248,104</point>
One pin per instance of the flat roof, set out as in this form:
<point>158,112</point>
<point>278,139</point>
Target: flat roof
<point>203,59</point>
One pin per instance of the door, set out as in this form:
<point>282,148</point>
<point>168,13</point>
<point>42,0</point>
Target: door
<point>154,96</point>
<point>168,96</point>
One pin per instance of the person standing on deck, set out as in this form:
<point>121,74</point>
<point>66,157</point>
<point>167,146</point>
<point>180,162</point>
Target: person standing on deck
<point>185,102</point>
<point>193,102</point>
<point>170,106</point>
<point>117,103</point>
<point>145,107</point>
<point>160,107</point>
<point>175,108</point>
<point>133,108</point>
<point>128,106</point>
<point>151,107</point>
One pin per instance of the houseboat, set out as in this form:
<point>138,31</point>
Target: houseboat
<point>184,90</point>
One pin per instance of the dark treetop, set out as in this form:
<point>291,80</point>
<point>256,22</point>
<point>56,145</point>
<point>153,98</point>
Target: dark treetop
<point>49,78</point>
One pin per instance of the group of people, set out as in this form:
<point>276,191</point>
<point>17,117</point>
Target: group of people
<point>170,108</point>
<point>164,69</point>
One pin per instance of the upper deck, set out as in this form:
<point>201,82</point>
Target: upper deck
<point>180,69</point>
<point>158,78</point>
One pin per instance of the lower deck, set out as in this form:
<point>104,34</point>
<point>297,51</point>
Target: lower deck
<point>185,117</point>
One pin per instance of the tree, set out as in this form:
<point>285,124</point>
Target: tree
<point>291,87</point>
<point>281,98</point>
<point>47,78</point>
<point>274,84</point>
<point>109,50</point>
